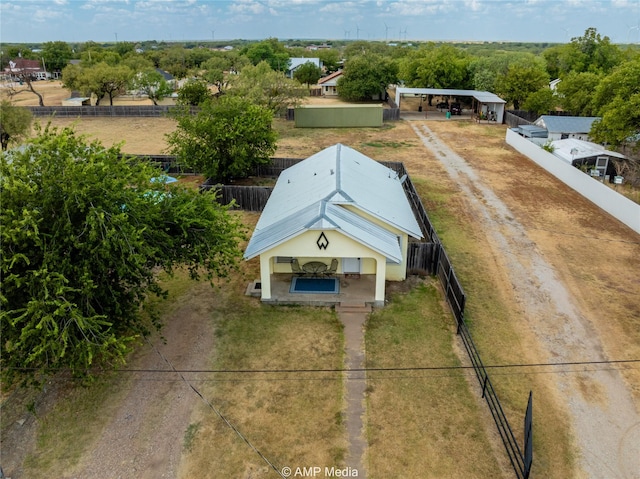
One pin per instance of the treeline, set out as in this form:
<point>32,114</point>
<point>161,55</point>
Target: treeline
<point>595,77</point>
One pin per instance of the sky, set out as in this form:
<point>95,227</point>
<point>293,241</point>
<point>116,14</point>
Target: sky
<point>551,21</point>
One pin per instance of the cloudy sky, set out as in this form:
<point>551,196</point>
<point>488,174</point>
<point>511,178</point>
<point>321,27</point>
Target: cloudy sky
<point>391,20</point>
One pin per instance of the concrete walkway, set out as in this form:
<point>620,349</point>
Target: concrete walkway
<point>353,317</point>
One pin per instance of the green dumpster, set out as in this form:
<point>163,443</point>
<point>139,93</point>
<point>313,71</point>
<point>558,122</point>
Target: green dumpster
<point>448,115</point>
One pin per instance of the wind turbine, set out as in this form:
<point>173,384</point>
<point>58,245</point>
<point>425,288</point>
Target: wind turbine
<point>386,31</point>
<point>357,32</point>
<point>632,28</point>
<point>346,34</point>
<point>405,33</point>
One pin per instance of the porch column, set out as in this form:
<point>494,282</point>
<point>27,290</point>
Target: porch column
<point>265,276</point>
<point>381,272</point>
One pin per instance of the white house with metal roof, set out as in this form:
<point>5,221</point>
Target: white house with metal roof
<point>563,127</point>
<point>337,204</point>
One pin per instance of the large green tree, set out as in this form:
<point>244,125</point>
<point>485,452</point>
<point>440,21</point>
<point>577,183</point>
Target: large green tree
<point>100,79</point>
<point>366,77</point>
<point>15,123</point>
<point>576,91</point>
<point>617,101</point>
<point>152,84</point>
<point>588,53</point>
<point>56,55</point>
<point>193,93</point>
<point>225,138</point>
<point>307,73</point>
<point>263,86</point>
<point>84,233</point>
<point>524,77</point>
<point>271,51</point>
<point>436,66</point>
<point>217,69</point>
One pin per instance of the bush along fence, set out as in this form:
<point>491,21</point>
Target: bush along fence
<point>428,257</point>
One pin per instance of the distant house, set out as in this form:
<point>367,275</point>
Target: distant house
<point>166,75</point>
<point>21,66</point>
<point>295,63</point>
<point>336,207</point>
<point>329,84</point>
<point>77,101</point>
<point>563,127</point>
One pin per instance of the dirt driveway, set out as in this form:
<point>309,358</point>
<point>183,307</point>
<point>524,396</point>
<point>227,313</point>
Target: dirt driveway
<point>603,410</point>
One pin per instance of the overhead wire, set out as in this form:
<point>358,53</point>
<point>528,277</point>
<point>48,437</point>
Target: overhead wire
<point>214,409</point>
<point>376,369</point>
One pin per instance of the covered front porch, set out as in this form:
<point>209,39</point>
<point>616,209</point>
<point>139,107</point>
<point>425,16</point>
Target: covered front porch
<point>353,289</point>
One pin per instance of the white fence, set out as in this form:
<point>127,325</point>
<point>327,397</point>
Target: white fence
<point>609,200</point>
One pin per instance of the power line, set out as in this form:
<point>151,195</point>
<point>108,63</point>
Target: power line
<point>365,369</point>
<point>214,409</point>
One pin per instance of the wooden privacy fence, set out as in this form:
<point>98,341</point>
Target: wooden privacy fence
<point>248,198</point>
<point>421,258</point>
<point>104,111</point>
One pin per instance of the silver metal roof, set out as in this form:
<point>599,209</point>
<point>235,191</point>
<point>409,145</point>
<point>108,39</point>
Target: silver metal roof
<point>312,195</point>
<point>566,124</point>
<point>572,149</point>
<point>481,96</point>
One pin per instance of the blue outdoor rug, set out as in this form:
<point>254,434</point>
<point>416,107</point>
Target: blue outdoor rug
<point>314,285</point>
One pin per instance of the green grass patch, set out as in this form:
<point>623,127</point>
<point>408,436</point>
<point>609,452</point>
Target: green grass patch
<point>418,419</point>
<point>189,436</point>
<point>387,144</point>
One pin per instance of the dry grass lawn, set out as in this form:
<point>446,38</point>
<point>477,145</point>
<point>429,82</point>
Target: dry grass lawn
<point>593,254</point>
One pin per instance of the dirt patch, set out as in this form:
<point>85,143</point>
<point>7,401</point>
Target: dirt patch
<point>140,440</point>
<point>147,420</point>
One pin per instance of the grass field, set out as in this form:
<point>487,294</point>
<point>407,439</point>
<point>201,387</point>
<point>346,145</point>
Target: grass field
<point>415,417</point>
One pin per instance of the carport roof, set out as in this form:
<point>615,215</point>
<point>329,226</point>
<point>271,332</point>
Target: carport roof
<point>481,96</point>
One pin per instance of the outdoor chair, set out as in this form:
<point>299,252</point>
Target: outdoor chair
<point>295,267</point>
<point>333,268</point>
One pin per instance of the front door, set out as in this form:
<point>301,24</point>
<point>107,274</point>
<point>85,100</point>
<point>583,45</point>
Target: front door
<point>351,265</point>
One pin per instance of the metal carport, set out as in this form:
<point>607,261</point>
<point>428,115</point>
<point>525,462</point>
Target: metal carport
<point>490,101</point>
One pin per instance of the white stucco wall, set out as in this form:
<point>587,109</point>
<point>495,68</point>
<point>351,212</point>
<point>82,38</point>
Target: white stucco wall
<point>304,248</point>
<point>609,200</point>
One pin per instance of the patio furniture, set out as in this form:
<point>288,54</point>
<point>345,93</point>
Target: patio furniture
<point>314,268</point>
<point>333,268</point>
<point>295,267</point>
